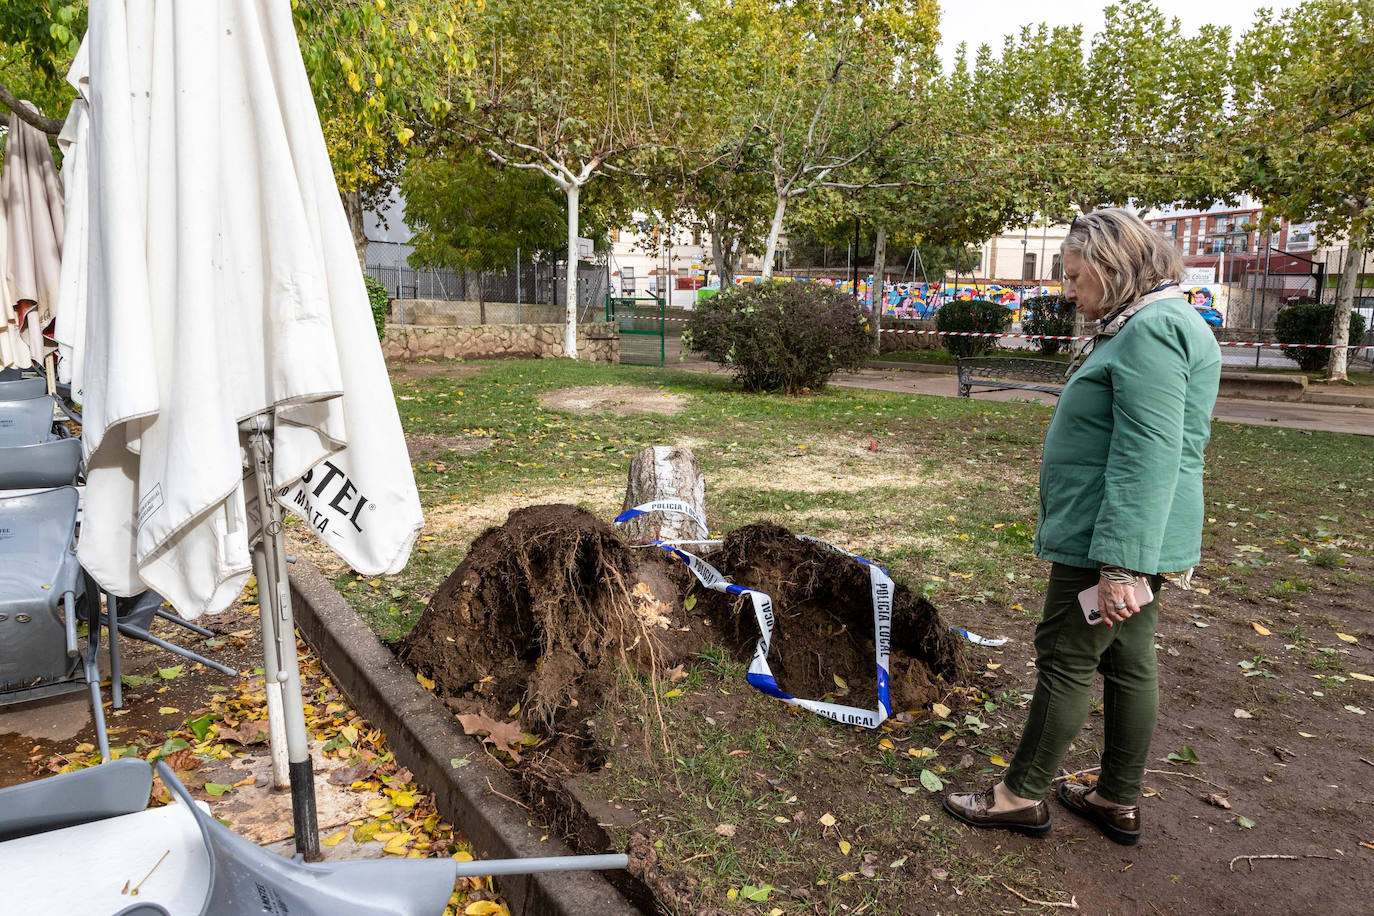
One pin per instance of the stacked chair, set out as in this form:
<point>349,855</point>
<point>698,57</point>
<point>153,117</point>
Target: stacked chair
<point>43,590</point>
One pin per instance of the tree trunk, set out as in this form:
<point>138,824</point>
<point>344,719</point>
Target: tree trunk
<point>482,297</point>
<point>722,249</point>
<point>878,293</point>
<point>1345,297</point>
<point>573,191</point>
<point>665,472</point>
<point>770,252</point>
<point>353,207</point>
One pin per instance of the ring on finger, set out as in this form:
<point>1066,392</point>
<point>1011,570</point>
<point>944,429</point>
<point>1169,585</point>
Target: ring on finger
<point>1120,605</point>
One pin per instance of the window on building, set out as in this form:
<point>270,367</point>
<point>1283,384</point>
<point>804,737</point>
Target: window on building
<point>1057,268</point>
<point>1028,267</point>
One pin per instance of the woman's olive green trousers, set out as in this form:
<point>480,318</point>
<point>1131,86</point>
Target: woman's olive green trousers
<point>1068,652</point>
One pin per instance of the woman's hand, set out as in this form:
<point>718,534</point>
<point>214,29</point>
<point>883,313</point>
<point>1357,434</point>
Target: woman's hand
<point>1116,601</point>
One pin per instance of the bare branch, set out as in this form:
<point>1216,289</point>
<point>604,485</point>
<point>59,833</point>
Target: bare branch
<point>28,113</point>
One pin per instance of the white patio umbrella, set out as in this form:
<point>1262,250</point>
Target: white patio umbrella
<point>228,352</point>
<point>31,229</point>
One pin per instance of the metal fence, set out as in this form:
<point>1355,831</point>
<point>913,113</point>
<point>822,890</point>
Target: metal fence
<point>533,293</point>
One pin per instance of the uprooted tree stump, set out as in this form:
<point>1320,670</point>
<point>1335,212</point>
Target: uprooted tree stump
<point>665,472</point>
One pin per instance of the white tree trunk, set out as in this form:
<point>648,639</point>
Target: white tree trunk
<point>665,472</point>
<point>774,233</point>
<point>878,293</point>
<point>1345,297</point>
<point>573,191</point>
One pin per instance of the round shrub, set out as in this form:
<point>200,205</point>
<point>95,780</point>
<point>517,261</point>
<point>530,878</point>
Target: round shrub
<point>380,300</point>
<point>1052,315</point>
<point>780,336</point>
<point>1312,323</point>
<point>976,315</point>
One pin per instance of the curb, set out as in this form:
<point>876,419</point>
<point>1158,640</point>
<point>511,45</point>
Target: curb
<point>425,736</point>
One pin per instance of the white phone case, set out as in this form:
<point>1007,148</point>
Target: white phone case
<point>1087,599</point>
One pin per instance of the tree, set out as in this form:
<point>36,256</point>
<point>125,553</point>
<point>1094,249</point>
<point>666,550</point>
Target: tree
<point>1130,124</point>
<point>468,214</point>
<point>1302,138</point>
<point>380,71</point>
<point>568,89</point>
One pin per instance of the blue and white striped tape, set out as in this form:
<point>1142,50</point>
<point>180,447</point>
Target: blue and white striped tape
<point>678,506</point>
<point>760,675</point>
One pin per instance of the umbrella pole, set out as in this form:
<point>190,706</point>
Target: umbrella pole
<point>280,662</point>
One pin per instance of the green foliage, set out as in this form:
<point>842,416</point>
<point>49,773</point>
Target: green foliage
<point>468,214</point>
<point>780,336</point>
<point>380,300</point>
<point>1053,315</point>
<point>1312,323</point>
<point>977,315</point>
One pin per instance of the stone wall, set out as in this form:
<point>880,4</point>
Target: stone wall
<point>450,313</point>
<point>599,343</point>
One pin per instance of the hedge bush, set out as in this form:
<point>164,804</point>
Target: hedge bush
<point>1312,322</point>
<point>380,300</point>
<point>780,336</point>
<point>1053,315</point>
<point>971,315</point>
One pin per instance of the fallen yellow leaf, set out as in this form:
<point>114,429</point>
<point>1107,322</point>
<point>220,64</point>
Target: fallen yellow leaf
<point>483,908</point>
<point>462,856</point>
<point>167,710</point>
<point>1305,735</point>
<point>1260,628</point>
<point>993,666</point>
<point>1361,677</point>
<point>827,819</point>
<point>404,799</point>
<point>334,838</point>
<point>940,709</point>
<point>885,744</point>
<point>425,682</point>
<point>845,847</point>
<point>920,753</point>
<point>997,761</point>
<point>1346,637</point>
<point>349,734</point>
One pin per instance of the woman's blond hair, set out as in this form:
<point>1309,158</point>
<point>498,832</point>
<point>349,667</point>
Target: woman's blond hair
<point>1128,256</point>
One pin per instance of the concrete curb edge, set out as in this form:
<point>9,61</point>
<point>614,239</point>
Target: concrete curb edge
<point>425,737</point>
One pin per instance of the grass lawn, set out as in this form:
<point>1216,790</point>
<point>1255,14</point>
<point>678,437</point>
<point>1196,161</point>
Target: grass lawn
<point>943,492</point>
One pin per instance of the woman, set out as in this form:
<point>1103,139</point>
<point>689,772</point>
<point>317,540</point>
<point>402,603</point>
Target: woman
<point>1120,503</point>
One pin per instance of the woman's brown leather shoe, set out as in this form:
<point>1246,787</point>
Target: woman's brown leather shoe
<point>973,809</point>
<point>1119,824</point>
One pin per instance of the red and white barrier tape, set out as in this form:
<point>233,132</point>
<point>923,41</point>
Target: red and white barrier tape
<point>1223,343</point>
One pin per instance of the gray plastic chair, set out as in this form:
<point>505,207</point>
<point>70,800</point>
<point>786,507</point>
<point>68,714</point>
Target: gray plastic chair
<point>29,421</point>
<point>21,389</point>
<point>110,790</point>
<point>42,590</point>
<point>43,464</point>
<point>245,878</point>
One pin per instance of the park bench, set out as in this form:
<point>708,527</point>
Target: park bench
<point>999,373</point>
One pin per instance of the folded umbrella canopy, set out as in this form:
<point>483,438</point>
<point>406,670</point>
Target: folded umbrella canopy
<point>31,229</point>
<point>227,333</point>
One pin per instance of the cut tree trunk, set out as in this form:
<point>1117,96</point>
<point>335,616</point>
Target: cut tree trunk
<point>878,294</point>
<point>665,472</point>
<point>1345,299</point>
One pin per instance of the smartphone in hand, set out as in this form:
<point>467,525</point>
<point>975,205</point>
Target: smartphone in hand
<point>1087,599</point>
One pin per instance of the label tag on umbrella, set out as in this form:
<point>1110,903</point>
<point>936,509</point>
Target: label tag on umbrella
<point>760,675</point>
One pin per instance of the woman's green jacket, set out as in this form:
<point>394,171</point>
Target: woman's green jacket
<point>1121,479</point>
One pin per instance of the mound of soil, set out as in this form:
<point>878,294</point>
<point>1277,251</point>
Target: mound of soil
<point>822,602</point>
<point>540,614</point>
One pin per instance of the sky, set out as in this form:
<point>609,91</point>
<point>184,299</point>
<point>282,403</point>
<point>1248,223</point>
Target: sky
<point>987,21</point>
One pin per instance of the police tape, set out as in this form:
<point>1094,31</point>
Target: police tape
<point>682,507</point>
<point>760,675</point>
